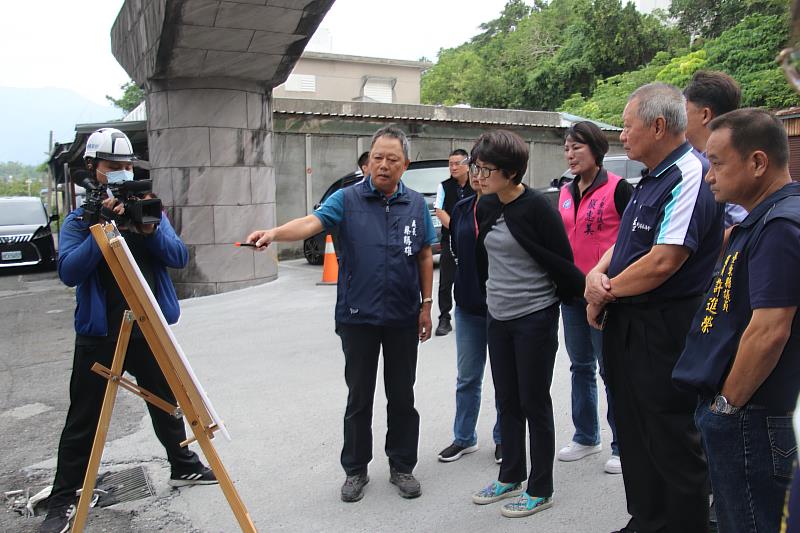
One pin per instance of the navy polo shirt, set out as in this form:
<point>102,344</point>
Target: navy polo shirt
<point>758,270</point>
<point>673,205</point>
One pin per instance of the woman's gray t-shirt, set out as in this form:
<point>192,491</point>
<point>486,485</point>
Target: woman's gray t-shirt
<point>517,284</point>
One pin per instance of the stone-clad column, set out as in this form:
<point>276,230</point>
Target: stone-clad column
<point>211,164</point>
<point>208,68</point>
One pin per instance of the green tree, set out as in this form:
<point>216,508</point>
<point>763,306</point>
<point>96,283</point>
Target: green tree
<point>709,18</point>
<point>628,40</point>
<point>513,12</point>
<point>746,52</point>
<point>131,97</point>
<point>534,57</point>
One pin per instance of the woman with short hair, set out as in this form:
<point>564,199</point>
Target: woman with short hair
<point>525,265</point>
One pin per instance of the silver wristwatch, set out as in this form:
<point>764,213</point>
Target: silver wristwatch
<point>722,406</point>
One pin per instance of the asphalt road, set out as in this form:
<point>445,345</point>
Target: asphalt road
<point>272,365</point>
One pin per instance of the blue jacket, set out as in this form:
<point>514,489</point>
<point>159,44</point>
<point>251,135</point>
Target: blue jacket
<point>379,240</point>
<point>79,256</point>
<point>463,240</point>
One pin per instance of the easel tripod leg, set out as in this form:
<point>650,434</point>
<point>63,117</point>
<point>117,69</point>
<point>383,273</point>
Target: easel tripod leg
<point>225,482</point>
<point>102,424</point>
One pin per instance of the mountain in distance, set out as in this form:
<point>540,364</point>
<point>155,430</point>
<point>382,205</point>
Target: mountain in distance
<point>28,115</point>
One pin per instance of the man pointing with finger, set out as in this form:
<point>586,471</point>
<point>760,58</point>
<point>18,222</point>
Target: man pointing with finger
<point>383,301</point>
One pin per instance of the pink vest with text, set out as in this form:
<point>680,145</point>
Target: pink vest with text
<point>594,229</point>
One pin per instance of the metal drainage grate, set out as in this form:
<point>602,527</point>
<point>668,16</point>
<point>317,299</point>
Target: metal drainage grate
<point>123,486</point>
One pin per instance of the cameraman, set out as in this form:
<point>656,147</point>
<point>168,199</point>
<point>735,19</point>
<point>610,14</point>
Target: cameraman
<point>98,316</point>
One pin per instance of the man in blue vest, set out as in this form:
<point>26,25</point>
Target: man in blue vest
<point>742,353</point>
<point>383,301</point>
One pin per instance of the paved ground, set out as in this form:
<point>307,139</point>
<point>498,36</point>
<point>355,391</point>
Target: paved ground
<point>272,365</point>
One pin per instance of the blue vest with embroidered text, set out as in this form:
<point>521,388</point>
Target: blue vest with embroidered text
<point>379,240</point>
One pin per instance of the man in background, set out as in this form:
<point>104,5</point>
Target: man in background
<point>450,192</point>
<point>710,94</point>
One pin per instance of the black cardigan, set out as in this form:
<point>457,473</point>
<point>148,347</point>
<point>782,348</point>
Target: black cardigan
<point>538,228</point>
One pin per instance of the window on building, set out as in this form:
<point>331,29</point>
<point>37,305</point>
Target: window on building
<point>379,90</point>
<point>302,83</point>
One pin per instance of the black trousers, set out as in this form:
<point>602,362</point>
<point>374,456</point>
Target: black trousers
<point>447,275</point>
<point>663,464</point>
<point>86,390</point>
<point>362,345</point>
<point>522,352</point>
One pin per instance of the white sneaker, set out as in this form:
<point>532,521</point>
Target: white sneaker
<point>574,451</point>
<point>613,465</point>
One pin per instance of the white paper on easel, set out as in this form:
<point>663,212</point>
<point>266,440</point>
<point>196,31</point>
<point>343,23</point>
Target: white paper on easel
<point>154,303</point>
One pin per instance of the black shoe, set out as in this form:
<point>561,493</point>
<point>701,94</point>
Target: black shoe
<point>407,483</point>
<point>203,477</point>
<point>498,453</point>
<point>454,452</point>
<point>57,519</point>
<point>353,487</point>
<point>444,327</point>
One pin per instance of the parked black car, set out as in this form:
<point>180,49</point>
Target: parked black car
<point>618,164</point>
<point>421,176</point>
<point>25,236</point>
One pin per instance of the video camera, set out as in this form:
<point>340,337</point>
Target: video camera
<point>131,194</point>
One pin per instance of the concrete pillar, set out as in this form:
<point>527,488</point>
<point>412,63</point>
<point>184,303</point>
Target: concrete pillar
<point>212,165</point>
<point>208,68</point>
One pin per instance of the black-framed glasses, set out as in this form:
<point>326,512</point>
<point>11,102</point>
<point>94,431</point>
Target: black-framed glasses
<point>481,172</point>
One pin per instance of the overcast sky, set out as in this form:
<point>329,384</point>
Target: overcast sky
<point>66,44</point>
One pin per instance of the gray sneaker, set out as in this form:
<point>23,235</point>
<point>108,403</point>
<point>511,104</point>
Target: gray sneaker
<point>353,487</point>
<point>407,484</point>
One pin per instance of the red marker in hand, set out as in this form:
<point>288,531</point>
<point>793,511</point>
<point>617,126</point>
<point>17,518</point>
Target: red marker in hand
<point>250,244</point>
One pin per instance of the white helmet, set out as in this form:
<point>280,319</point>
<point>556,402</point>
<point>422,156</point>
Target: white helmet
<point>109,144</point>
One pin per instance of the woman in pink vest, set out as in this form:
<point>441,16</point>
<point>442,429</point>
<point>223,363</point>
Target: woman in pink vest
<point>591,207</point>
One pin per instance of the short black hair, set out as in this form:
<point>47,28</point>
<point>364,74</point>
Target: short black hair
<point>715,90</point>
<point>363,159</point>
<point>588,133</point>
<point>459,151</point>
<point>755,129</point>
<point>504,149</point>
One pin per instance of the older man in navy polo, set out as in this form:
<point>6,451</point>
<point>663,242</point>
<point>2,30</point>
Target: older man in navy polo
<point>647,287</point>
<point>383,301</point>
<point>742,354</point>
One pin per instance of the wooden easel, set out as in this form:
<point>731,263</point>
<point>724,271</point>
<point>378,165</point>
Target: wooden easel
<point>192,402</point>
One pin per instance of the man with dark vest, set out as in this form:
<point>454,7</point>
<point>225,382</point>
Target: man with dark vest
<point>383,301</point>
<point>742,355</point>
<point>450,192</point>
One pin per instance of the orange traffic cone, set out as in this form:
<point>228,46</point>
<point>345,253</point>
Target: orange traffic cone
<point>330,268</point>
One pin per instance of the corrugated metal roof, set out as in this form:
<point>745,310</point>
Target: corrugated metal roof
<point>428,113</point>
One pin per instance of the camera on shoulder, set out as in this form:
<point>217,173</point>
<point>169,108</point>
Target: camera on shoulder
<point>131,194</point>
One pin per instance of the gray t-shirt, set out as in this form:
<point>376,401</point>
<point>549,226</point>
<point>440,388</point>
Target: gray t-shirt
<point>517,284</point>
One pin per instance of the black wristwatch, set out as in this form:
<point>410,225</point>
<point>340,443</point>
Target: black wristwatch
<point>722,406</point>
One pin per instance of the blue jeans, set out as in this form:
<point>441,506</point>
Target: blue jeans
<point>471,361</point>
<point>585,349</point>
<point>750,457</point>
